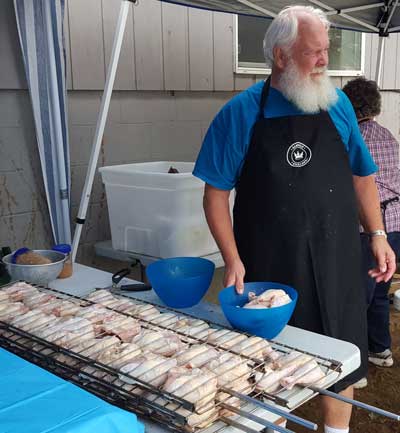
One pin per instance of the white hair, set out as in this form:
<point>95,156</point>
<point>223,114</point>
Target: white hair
<point>282,32</point>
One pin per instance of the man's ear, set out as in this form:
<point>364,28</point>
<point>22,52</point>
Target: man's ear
<point>280,57</point>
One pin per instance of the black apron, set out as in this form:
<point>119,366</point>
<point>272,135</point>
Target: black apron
<point>296,222</point>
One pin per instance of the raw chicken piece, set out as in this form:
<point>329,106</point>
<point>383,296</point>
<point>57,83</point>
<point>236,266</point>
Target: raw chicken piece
<point>164,343</point>
<point>308,374</point>
<point>18,291</point>
<point>33,320</point>
<point>225,338</point>
<point>119,355</point>
<point>268,299</point>
<point>101,296</point>
<point>192,328</point>
<point>194,385</point>
<point>143,311</point>
<point>59,307</point>
<point>168,320</point>
<point>285,359</point>
<point>124,327</point>
<point>193,420</point>
<point>66,308</point>
<point>118,304</point>
<point>256,348</point>
<point>48,306</point>
<point>93,348</point>
<point>4,297</point>
<point>196,356</point>
<point>67,332</point>
<point>198,421</point>
<point>150,368</point>
<point>96,313</point>
<point>9,310</point>
<point>36,299</point>
<point>270,380</point>
<point>230,369</point>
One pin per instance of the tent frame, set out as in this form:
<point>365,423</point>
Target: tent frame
<point>382,28</point>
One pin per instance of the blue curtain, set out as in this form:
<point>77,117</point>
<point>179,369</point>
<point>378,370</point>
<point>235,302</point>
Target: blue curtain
<point>40,28</point>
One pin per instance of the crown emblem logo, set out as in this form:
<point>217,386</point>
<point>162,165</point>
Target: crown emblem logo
<point>298,154</point>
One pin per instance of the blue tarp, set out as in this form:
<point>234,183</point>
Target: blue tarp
<point>33,400</point>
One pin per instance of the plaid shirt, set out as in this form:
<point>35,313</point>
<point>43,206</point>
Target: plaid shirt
<point>384,149</point>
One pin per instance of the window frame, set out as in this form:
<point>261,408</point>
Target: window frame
<point>242,70</point>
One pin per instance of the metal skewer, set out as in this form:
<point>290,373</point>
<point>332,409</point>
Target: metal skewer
<point>357,403</point>
<point>257,419</point>
<point>294,418</point>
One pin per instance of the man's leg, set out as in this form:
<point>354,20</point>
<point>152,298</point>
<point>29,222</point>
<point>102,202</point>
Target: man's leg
<point>337,414</point>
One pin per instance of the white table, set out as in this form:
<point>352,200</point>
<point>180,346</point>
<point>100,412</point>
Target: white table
<point>85,279</point>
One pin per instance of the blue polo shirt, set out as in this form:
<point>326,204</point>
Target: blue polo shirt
<point>226,143</point>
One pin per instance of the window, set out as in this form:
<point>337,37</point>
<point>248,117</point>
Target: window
<point>346,53</point>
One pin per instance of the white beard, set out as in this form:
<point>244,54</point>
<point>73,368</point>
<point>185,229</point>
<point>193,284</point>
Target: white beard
<point>307,94</point>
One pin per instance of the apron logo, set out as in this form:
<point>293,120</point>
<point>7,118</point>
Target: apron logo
<point>298,154</point>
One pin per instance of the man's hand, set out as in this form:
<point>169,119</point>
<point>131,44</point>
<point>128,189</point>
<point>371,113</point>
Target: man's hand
<point>234,274</point>
<point>385,259</point>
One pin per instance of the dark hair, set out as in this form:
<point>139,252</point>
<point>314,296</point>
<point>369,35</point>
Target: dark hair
<point>364,96</point>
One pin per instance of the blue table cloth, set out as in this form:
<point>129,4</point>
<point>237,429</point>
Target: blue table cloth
<point>32,400</point>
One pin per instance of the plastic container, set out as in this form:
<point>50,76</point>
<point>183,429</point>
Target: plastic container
<point>181,282</point>
<point>67,270</point>
<point>265,322</point>
<point>155,213</point>
<point>36,274</point>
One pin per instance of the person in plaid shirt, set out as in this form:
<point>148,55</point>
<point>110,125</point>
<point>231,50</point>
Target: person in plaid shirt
<point>384,148</point>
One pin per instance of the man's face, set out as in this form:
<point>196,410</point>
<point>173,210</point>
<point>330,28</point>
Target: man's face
<point>310,51</point>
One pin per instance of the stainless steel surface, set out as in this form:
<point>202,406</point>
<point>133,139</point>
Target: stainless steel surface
<point>37,274</point>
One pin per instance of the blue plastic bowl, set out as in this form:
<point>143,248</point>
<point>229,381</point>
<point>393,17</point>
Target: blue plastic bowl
<point>266,322</point>
<point>181,282</point>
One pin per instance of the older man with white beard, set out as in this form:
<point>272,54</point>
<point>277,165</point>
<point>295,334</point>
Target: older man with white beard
<point>292,149</point>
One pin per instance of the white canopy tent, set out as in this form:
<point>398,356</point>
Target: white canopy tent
<point>381,18</point>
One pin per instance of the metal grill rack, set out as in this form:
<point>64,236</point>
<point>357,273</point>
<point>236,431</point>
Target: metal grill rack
<point>136,395</point>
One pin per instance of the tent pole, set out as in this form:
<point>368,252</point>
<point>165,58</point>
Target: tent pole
<point>379,60</point>
<point>101,122</point>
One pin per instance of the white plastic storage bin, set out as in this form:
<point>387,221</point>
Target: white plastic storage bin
<point>156,213</point>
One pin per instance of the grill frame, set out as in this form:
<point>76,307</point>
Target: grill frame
<point>20,342</point>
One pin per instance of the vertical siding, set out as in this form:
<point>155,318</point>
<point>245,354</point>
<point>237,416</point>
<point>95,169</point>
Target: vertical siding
<point>166,47</point>
<point>223,52</point>
<point>147,27</point>
<point>201,50</point>
<point>12,74</point>
<point>125,77</point>
<point>175,43</point>
<point>87,46</point>
<point>388,80</point>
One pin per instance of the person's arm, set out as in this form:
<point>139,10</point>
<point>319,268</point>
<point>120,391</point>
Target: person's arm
<point>216,208</point>
<point>371,219</point>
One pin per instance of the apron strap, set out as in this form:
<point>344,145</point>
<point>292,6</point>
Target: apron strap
<point>264,97</point>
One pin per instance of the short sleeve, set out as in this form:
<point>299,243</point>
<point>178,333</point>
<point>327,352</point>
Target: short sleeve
<point>225,145</point>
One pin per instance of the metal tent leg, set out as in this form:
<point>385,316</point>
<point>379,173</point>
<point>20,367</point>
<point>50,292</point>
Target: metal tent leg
<point>101,122</point>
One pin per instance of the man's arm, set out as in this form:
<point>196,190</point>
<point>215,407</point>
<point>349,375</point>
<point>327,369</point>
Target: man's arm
<point>371,219</point>
<point>216,208</point>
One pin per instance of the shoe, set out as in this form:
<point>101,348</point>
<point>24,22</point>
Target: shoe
<point>382,359</point>
<point>362,383</point>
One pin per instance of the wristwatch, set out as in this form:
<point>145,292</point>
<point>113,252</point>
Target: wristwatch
<point>378,233</point>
